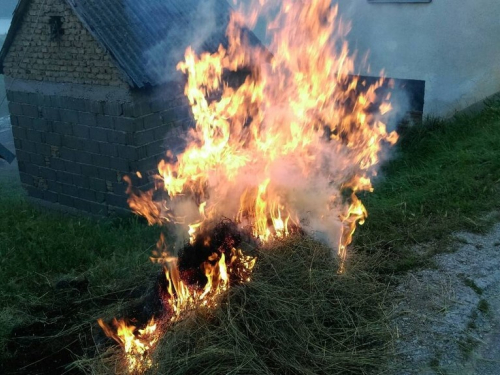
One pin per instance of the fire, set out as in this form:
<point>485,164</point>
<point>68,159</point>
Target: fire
<point>279,149</point>
<point>275,152</point>
<point>136,343</point>
<point>178,299</point>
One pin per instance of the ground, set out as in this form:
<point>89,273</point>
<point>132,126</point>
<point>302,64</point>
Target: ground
<point>448,317</point>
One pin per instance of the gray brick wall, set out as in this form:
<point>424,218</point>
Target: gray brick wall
<point>74,58</point>
<point>75,152</point>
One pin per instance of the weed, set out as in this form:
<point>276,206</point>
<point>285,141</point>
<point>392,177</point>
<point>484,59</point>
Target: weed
<point>471,284</point>
<point>436,366</point>
<point>483,306</point>
<point>471,325</point>
<point>467,345</point>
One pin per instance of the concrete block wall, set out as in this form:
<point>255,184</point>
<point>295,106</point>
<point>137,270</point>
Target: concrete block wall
<point>75,152</point>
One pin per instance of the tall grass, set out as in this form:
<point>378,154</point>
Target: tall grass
<point>445,177</point>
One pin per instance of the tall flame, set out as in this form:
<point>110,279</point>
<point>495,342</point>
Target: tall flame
<point>277,150</point>
<point>280,140</point>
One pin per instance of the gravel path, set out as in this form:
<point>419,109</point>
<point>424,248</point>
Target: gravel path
<point>448,318</point>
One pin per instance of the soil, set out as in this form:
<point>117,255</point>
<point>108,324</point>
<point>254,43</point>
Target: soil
<point>447,319</point>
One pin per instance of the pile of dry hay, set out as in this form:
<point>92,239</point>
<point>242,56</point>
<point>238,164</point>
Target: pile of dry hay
<point>296,316</point>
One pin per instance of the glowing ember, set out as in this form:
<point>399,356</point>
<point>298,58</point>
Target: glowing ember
<point>278,152</point>
<point>179,297</point>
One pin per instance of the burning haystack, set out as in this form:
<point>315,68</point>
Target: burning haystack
<point>284,152</point>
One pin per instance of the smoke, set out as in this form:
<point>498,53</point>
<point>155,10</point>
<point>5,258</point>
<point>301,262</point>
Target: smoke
<point>200,24</point>
<point>295,140</point>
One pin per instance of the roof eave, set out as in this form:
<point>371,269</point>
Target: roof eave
<point>17,17</point>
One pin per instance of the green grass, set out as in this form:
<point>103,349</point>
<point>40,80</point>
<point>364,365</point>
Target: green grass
<point>40,249</point>
<point>483,306</point>
<point>298,315</point>
<point>444,177</point>
<point>471,284</point>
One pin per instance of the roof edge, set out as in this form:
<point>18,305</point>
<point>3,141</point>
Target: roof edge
<point>74,5</point>
<point>17,17</point>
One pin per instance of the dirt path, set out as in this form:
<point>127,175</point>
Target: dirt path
<point>448,318</point>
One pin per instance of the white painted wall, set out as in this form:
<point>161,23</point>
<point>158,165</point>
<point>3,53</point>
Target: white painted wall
<point>454,45</point>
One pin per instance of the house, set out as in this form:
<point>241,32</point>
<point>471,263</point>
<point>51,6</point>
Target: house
<point>449,46</point>
<point>452,45</point>
<point>93,91</point>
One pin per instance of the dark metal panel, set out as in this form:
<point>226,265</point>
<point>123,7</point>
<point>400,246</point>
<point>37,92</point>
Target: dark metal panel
<point>6,154</point>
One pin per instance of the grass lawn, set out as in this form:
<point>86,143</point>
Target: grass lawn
<point>445,177</point>
<point>58,274</point>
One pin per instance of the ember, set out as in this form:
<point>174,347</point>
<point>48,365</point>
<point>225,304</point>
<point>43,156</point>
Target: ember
<point>277,154</point>
<point>205,268</point>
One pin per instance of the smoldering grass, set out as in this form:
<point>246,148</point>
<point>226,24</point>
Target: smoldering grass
<point>296,316</point>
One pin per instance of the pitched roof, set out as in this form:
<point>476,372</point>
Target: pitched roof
<point>147,38</point>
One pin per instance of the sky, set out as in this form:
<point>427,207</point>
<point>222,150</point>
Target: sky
<point>7,7</point>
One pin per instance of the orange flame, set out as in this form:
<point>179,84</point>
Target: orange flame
<point>287,140</point>
<point>295,132</point>
<point>135,343</point>
<point>138,344</point>
<point>274,147</point>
